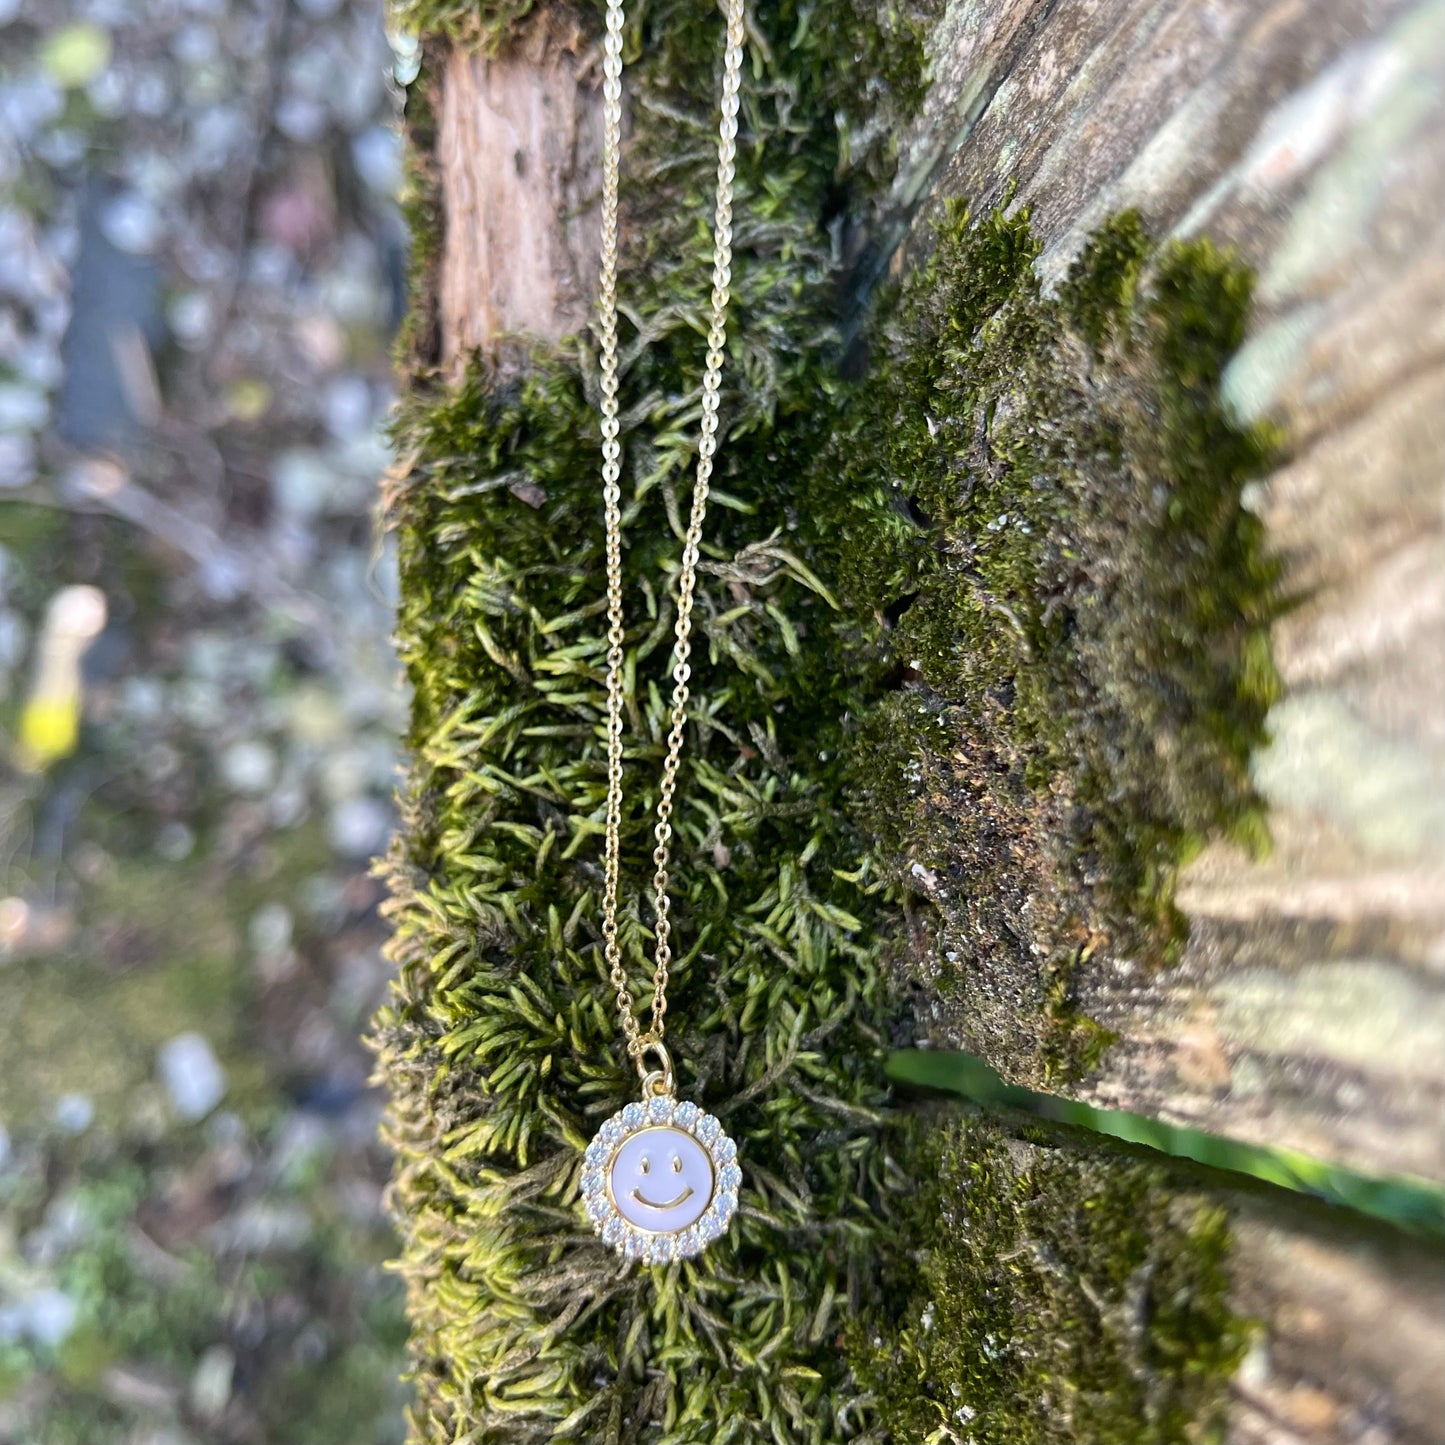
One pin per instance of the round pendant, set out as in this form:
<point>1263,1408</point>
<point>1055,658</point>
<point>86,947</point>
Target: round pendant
<point>660,1181</point>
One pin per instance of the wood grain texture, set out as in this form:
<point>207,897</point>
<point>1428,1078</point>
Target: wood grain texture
<point>518,158</point>
<point>1310,1008</point>
<point>1350,1346</point>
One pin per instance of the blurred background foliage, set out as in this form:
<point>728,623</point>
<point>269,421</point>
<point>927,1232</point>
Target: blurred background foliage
<point>200,273</point>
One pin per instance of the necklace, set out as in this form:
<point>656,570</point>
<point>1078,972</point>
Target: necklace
<point>660,1178</point>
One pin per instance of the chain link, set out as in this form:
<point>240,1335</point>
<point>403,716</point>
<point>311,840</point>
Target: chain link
<point>640,1042</point>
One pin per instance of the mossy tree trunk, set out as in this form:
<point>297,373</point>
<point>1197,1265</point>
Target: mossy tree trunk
<point>1305,1005</point>
<point>1309,1006</point>
<point>1166,584</point>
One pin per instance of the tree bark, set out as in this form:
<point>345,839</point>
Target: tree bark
<point>1310,1008</point>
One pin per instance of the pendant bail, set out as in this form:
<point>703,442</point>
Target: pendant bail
<point>656,1083</point>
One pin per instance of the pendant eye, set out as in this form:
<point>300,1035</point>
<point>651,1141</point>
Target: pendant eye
<point>645,1165</point>
<point>677,1163</point>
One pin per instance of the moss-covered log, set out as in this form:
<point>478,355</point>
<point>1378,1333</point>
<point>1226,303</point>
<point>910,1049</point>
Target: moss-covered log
<point>1308,1006</point>
<point>996,624</point>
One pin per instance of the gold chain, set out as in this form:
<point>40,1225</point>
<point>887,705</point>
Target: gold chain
<point>639,1043</point>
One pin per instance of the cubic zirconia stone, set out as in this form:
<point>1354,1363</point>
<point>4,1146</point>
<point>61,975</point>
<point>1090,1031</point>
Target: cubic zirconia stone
<point>611,1131</point>
<point>707,1129</point>
<point>613,1231</point>
<point>596,1155</point>
<point>710,1226</point>
<point>724,1150</point>
<point>689,1244</point>
<point>659,1111</point>
<point>633,1115</point>
<point>635,1245</point>
<point>725,1202</point>
<point>730,1177</point>
<point>687,1115</point>
<point>598,1207</point>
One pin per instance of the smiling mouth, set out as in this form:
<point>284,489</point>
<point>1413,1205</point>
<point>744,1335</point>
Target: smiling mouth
<point>671,1203</point>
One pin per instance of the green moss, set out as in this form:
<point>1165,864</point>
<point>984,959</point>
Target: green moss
<point>501,1047</point>
<point>989,624</point>
<point>849,68</point>
<point>417,341</point>
<point>1052,1295</point>
<point>1085,613</point>
<point>828,87</point>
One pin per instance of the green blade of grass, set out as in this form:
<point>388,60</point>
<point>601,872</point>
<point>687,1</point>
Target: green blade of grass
<point>1408,1203</point>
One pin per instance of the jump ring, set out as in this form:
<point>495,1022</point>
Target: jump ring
<point>655,1082</point>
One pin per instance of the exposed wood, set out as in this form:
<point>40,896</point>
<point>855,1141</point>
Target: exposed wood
<point>518,158</point>
<point>1310,1009</point>
<point>1350,1349</point>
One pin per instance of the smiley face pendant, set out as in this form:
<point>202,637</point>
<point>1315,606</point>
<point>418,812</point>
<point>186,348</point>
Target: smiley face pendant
<point>660,1181</point>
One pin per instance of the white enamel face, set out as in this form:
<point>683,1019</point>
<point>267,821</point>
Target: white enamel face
<point>661,1179</point>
